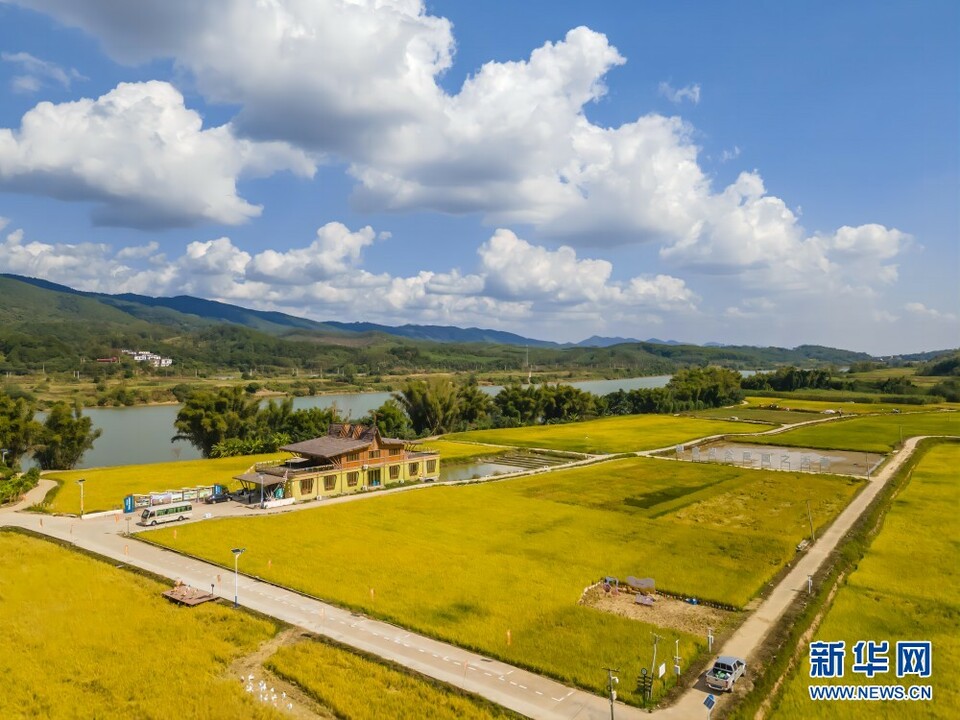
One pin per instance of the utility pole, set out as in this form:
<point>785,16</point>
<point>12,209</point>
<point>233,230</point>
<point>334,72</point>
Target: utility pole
<point>612,681</point>
<point>813,537</point>
<point>653,666</point>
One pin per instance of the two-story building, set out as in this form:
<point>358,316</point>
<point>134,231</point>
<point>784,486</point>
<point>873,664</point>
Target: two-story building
<point>349,458</point>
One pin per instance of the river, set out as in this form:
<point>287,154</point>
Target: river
<point>142,434</point>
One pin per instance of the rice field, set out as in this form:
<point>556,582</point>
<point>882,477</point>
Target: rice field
<point>848,407</point>
<point>756,414</point>
<point>907,587</point>
<point>875,433</point>
<point>352,686</point>
<point>82,638</point>
<point>499,567</point>
<point>452,452</point>
<point>105,488</point>
<point>625,433</point>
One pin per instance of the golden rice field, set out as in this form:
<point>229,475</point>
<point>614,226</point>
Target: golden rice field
<point>848,407</point>
<point>458,452</point>
<point>105,488</point>
<point>81,638</point>
<point>360,689</point>
<point>874,433</point>
<point>609,434</point>
<point>907,587</point>
<point>475,565</point>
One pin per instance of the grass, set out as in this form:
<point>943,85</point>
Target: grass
<point>907,587</point>
<point>330,676</point>
<point>452,452</point>
<point>82,638</point>
<point>468,564</point>
<point>608,435</point>
<point>105,488</point>
<point>876,433</point>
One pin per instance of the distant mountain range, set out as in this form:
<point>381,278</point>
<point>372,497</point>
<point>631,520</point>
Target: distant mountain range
<point>41,322</point>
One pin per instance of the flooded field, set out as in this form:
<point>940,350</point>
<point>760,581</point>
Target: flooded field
<point>503,464</point>
<point>842,462</point>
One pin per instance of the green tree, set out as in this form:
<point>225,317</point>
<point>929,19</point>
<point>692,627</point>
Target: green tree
<point>518,405</point>
<point>208,418</point>
<point>474,404</point>
<point>431,405</point>
<point>391,420</point>
<point>18,429</point>
<point>65,436</point>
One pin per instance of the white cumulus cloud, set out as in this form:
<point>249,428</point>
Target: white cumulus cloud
<point>141,157</point>
<point>678,95</point>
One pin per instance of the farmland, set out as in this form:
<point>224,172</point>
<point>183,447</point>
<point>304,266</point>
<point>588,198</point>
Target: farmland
<point>849,407</point>
<point>360,689</point>
<point>875,433</point>
<point>72,627</point>
<point>105,488</point>
<point>508,560</point>
<point>905,588</point>
<point>608,435</point>
<point>460,452</point>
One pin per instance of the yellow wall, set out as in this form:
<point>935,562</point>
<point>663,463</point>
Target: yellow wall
<point>341,485</point>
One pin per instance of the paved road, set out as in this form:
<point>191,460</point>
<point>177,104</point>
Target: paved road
<point>517,689</point>
<point>522,691</point>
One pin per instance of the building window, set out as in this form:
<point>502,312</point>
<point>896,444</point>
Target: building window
<point>431,466</point>
<point>329,482</point>
<point>352,478</point>
<point>374,454</point>
<point>394,472</point>
<point>394,452</point>
<point>306,486</point>
<point>373,478</point>
<point>414,469</point>
<point>353,457</point>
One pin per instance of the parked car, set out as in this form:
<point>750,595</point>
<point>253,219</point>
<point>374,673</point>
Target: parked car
<point>725,672</point>
<point>216,498</point>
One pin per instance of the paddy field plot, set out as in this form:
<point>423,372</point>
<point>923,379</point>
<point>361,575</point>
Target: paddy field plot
<point>499,567</point>
<point>105,488</point>
<point>843,403</point>
<point>875,433</point>
<point>907,587</point>
<point>82,638</point>
<point>624,433</point>
<point>358,688</point>
<point>452,452</point>
<point>756,414</point>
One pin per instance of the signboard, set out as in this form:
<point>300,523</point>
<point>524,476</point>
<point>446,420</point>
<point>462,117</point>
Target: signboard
<point>662,670</point>
<point>128,505</point>
<point>709,701</point>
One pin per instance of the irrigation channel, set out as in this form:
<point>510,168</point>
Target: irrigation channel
<point>142,434</point>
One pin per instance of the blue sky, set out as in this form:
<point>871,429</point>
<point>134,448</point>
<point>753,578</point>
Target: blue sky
<point>750,172</point>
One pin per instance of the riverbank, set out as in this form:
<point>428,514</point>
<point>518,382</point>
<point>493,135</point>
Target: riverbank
<point>160,390</point>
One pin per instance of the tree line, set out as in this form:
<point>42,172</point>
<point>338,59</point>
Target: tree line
<point>229,422</point>
<point>56,443</point>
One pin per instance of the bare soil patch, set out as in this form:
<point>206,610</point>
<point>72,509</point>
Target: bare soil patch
<point>666,612</point>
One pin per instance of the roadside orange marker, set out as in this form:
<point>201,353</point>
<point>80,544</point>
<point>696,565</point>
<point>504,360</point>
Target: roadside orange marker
<point>509,638</point>
<point>126,549</point>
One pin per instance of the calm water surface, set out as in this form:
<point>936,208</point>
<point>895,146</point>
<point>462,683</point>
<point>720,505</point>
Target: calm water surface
<point>143,434</point>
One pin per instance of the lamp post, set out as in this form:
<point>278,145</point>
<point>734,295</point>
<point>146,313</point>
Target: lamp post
<point>612,682</point>
<point>80,482</point>
<point>4,451</point>
<point>237,552</point>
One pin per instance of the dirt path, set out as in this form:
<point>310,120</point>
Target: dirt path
<point>293,702</point>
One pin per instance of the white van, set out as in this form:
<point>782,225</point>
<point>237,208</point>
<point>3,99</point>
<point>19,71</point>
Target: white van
<point>170,512</point>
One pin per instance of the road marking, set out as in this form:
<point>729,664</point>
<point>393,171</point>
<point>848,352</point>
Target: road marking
<point>538,692</point>
<point>522,687</point>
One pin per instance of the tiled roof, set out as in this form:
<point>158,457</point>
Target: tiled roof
<point>327,447</point>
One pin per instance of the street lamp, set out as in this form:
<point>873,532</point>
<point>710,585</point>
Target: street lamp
<point>612,682</point>
<point>4,451</point>
<point>80,482</point>
<point>237,552</point>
